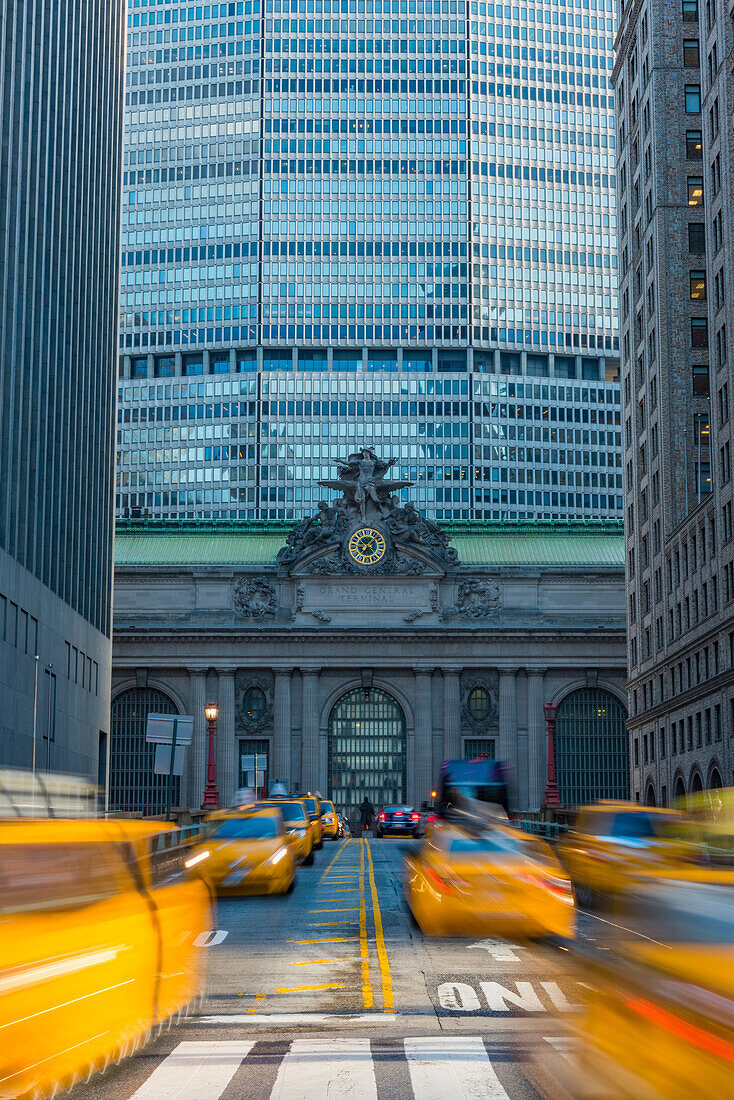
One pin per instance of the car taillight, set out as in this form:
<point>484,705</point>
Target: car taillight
<point>432,818</point>
<point>440,882</point>
<point>380,817</point>
<point>415,817</point>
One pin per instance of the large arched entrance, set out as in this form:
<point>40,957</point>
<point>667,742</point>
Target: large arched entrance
<point>134,786</point>
<point>366,750</point>
<point>591,747</point>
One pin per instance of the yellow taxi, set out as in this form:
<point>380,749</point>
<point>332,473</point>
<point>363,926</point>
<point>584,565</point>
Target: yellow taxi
<point>248,852</point>
<point>99,922</point>
<point>298,825</point>
<point>614,844</point>
<point>491,881</point>
<point>329,820</point>
<point>313,806</point>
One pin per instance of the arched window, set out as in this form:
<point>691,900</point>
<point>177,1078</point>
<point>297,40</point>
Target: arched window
<point>367,742</point>
<point>715,782</point>
<point>254,704</point>
<point>680,788</point>
<point>134,786</point>
<point>591,747</point>
<point>696,783</point>
<point>480,703</point>
<point>650,795</point>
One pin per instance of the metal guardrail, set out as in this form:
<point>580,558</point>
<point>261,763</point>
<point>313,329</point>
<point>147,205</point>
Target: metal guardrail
<point>549,830</point>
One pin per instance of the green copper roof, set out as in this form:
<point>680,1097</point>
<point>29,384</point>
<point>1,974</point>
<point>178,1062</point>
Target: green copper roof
<point>247,543</point>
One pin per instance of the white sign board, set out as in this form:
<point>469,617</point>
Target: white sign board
<point>159,729</point>
<point>163,760</point>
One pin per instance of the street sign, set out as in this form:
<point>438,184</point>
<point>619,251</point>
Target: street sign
<point>159,728</point>
<point>171,733</point>
<point>163,760</point>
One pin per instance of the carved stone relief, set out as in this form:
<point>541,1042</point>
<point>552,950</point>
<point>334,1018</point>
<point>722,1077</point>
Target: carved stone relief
<point>478,599</point>
<point>255,598</point>
<point>253,712</point>
<point>487,686</point>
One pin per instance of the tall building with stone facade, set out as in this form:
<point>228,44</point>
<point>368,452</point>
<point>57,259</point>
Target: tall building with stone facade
<point>61,88</point>
<point>674,109</point>
<point>394,214</point>
<point>356,651</point>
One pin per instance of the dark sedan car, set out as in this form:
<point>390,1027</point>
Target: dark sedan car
<point>400,821</point>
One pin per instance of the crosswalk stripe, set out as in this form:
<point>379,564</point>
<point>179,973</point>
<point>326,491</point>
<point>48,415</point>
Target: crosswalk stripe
<point>195,1071</point>
<point>452,1067</point>
<point>332,1069</point>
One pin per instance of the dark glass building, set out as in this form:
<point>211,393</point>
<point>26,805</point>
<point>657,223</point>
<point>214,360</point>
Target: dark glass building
<point>60,157</point>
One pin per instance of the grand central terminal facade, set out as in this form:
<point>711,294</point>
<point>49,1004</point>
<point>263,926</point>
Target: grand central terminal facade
<point>354,652</point>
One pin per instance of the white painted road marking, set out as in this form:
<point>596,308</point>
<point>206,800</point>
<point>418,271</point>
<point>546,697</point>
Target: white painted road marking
<point>286,1019</point>
<point>459,996</point>
<point>330,1069</point>
<point>452,1068</point>
<point>499,998</point>
<point>195,1071</point>
<point>499,950</point>
<point>463,997</point>
<point>210,939</point>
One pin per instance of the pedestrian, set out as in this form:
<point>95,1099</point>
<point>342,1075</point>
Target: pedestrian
<point>366,813</point>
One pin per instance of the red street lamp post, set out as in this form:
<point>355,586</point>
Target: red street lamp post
<point>211,794</point>
<point>551,796</point>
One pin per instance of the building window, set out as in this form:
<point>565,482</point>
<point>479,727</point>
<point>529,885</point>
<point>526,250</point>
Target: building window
<point>694,145</point>
<point>700,380</point>
<point>254,705</point>
<point>165,366</point>
<point>479,747</point>
<point>691,58</point>
<point>695,190</point>
<point>693,99</point>
<point>703,477</point>
<point>219,364</point>
<point>134,786</point>
<point>592,748</point>
<point>690,11</point>
<point>696,237</point>
<point>698,286</point>
<point>193,365</point>
<point>480,704</point>
<point>139,368</point>
<point>699,332</point>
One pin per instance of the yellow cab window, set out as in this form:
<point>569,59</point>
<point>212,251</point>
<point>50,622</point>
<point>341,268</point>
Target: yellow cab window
<point>60,876</point>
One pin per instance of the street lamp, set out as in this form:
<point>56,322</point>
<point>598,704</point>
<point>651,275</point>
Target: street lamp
<point>211,794</point>
<point>551,796</point>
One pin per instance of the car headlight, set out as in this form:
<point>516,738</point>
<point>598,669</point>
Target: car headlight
<point>276,857</point>
<point>198,858</point>
<point>297,832</point>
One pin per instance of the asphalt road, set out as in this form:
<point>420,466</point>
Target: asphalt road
<point>333,992</point>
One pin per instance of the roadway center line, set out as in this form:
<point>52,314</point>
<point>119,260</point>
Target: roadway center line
<point>387,994</point>
<point>367,995</point>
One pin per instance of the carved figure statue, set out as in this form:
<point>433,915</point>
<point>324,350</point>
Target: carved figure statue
<point>361,480</point>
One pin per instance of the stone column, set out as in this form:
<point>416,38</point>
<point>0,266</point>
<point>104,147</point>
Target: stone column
<point>451,713</point>
<point>536,738</point>
<point>310,729</point>
<point>423,777</point>
<point>197,752</point>
<point>227,770</point>
<point>506,750</point>
<point>281,764</point>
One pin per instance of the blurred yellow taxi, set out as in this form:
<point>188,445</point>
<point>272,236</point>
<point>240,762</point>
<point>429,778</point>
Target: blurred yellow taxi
<point>248,853</point>
<point>329,821</point>
<point>98,926</point>
<point>614,844</point>
<point>495,882</point>
<point>298,825</point>
<point>313,806</point>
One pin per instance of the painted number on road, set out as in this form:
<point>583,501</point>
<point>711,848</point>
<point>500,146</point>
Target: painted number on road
<point>515,998</point>
<point>210,939</point>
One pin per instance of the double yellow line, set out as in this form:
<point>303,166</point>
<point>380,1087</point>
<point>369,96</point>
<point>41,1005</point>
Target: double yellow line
<point>388,1003</point>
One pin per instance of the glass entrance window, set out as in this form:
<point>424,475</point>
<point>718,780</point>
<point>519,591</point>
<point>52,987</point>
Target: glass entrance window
<point>366,751</point>
<point>254,765</point>
<point>134,785</point>
<point>591,748</point>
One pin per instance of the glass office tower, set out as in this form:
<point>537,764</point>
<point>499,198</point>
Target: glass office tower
<point>61,90</point>
<point>397,215</point>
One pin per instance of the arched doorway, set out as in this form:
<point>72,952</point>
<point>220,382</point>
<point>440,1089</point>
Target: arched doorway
<point>134,786</point>
<point>650,795</point>
<point>696,783</point>
<point>366,750</point>
<point>715,781</point>
<point>680,788</point>
<point>591,747</point>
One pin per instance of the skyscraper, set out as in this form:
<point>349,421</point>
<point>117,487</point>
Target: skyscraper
<point>382,211</point>
<point>60,160</point>
<point>675,131</point>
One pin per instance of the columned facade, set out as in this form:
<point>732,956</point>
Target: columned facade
<point>359,681</point>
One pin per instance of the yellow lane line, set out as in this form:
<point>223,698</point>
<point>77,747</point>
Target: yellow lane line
<point>387,994</point>
<point>349,909</point>
<point>335,939</point>
<point>316,962</point>
<point>330,923</point>
<point>257,1004</point>
<point>367,995</point>
<point>333,861</point>
<point>309,988</point>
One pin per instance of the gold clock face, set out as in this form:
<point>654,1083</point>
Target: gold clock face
<point>367,546</point>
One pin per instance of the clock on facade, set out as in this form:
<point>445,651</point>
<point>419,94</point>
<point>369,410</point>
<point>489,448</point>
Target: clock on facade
<point>367,546</point>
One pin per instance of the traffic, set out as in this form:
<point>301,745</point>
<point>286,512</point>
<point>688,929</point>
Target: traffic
<point>105,925</point>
